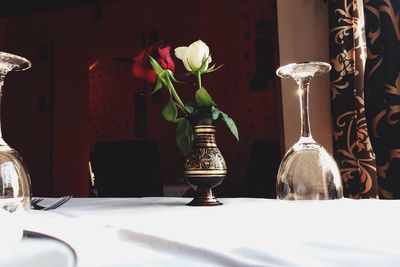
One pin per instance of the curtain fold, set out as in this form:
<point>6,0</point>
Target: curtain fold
<point>352,146</point>
<point>382,91</point>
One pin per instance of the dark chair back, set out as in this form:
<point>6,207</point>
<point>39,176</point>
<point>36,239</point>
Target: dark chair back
<point>263,164</point>
<point>127,169</point>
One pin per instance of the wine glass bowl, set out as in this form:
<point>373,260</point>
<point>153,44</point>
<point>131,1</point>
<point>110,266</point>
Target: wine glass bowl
<point>14,176</point>
<point>307,171</point>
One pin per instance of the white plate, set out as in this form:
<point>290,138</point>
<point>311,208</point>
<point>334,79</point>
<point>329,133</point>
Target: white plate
<point>39,250</point>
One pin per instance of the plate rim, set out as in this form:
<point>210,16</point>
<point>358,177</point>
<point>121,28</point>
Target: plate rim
<point>28,234</point>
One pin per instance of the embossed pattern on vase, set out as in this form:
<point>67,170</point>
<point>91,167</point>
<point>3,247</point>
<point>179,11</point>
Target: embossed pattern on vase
<point>205,159</point>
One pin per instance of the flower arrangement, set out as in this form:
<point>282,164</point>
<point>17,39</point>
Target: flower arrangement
<point>196,59</point>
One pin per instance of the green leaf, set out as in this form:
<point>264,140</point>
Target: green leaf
<point>190,107</point>
<point>193,68</point>
<point>204,62</point>
<point>203,99</point>
<point>213,68</point>
<point>157,87</point>
<point>156,66</point>
<point>231,125</point>
<point>215,113</point>
<point>184,135</point>
<point>171,75</point>
<point>170,111</point>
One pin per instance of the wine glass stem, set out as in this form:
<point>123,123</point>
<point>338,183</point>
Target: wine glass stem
<point>304,84</point>
<point>2,76</point>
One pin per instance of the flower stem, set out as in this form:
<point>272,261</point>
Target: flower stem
<point>198,75</point>
<point>167,82</point>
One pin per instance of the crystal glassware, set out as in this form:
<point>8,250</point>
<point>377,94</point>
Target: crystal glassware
<point>14,176</point>
<point>307,171</point>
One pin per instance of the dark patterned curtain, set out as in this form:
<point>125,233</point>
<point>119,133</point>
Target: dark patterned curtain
<point>365,87</point>
<point>382,91</point>
<point>352,146</point>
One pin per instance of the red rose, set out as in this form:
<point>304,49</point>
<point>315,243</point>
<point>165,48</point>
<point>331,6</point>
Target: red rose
<point>165,59</point>
<point>141,67</point>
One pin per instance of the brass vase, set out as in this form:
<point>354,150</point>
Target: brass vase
<point>205,166</point>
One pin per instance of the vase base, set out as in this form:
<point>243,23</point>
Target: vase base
<point>204,202</point>
<point>204,197</point>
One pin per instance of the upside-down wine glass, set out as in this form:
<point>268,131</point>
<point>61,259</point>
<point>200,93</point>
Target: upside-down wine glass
<point>14,176</point>
<point>307,171</point>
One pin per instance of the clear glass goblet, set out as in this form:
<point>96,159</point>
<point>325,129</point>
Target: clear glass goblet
<point>307,171</point>
<point>14,176</point>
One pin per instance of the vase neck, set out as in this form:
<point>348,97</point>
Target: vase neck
<point>204,136</point>
<point>304,85</point>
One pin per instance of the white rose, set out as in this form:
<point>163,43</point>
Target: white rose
<point>194,55</point>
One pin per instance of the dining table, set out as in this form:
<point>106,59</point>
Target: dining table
<point>164,231</point>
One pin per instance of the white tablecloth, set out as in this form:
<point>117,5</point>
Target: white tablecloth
<point>242,232</point>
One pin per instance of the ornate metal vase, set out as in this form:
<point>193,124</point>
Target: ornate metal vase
<point>205,166</point>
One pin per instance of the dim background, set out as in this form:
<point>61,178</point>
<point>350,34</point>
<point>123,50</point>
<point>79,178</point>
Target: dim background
<point>78,93</point>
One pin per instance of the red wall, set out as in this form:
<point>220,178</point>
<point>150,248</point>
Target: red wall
<point>111,101</point>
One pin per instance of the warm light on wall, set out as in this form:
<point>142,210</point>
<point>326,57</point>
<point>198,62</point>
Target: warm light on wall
<point>93,65</point>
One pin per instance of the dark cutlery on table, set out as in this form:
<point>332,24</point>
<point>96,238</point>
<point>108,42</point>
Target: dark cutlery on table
<point>56,204</point>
